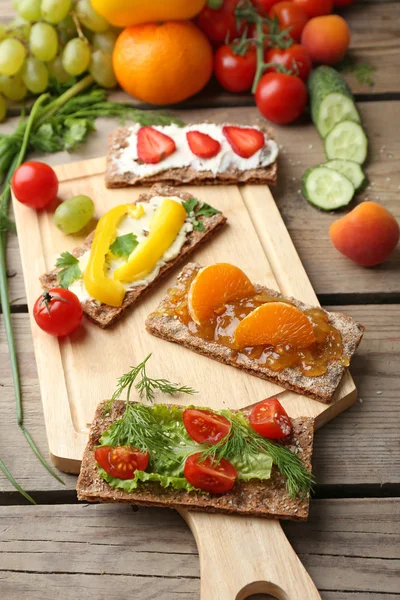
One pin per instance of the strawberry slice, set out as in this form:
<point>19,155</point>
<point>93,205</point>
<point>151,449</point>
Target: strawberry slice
<point>202,145</point>
<point>153,146</point>
<point>244,141</point>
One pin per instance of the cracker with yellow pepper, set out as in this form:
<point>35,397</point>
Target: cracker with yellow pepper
<point>132,248</point>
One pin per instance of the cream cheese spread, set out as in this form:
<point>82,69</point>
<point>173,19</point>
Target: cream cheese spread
<point>125,159</point>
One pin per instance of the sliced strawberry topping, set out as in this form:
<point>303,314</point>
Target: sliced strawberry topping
<point>153,146</point>
<point>202,145</point>
<point>244,141</point>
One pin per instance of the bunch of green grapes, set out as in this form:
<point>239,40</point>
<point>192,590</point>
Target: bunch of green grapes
<point>61,39</point>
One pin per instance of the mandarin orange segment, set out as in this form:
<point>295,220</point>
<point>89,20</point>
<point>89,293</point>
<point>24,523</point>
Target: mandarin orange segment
<point>275,323</point>
<point>213,287</point>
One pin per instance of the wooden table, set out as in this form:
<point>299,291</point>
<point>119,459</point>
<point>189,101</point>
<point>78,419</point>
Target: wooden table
<point>351,543</point>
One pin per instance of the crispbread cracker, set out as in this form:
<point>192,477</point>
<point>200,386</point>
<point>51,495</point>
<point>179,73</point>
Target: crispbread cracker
<point>319,388</point>
<point>257,498</point>
<point>104,315</point>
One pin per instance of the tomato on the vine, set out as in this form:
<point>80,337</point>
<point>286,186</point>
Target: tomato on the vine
<point>205,425</point>
<point>235,72</point>
<point>208,475</point>
<point>315,8</point>
<point>281,98</point>
<point>265,5</point>
<point>295,58</point>
<point>58,312</point>
<point>290,16</point>
<point>121,462</point>
<point>220,24</point>
<point>35,184</point>
<point>269,419</point>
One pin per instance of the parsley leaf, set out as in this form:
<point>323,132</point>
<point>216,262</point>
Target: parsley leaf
<point>69,269</point>
<point>124,245</point>
<point>206,210</point>
<point>198,225</point>
<point>190,205</point>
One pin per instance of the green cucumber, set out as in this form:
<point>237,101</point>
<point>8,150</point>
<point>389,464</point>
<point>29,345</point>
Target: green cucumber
<point>347,140</point>
<point>331,100</point>
<point>326,188</point>
<point>349,169</point>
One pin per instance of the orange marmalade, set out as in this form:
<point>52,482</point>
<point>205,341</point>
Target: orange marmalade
<point>312,361</point>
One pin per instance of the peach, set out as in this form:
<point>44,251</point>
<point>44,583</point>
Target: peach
<point>367,235</point>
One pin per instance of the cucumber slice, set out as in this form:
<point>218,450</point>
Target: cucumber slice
<point>326,188</point>
<point>331,99</point>
<point>349,169</point>
<point>348,141</point>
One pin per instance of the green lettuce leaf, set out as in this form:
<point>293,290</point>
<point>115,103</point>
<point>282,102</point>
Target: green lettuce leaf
<point>129,485</point>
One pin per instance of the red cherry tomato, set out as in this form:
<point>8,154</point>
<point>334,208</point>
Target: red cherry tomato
<point>265,5</point>
<point>205,425</point>
<point>35,184</point>
<point>209,476</point>
<point>315,8</point>
<point>270,419</point>
<point>234,72</point>
<point>290,16</point>
<point>295,58</point>
<point>340,3</point>
<point>220,24</point>
<point>58,312</point>
<point>281,98</point>
<point>121,462</point>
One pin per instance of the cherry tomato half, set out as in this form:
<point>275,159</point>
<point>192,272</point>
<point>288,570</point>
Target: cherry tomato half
<point>205,425</point>
<point>295,58</point>
<point>315,8</point>
<point>121,462</point>
<point>209,476</point>
<point>220,24</point>
<point>281,98</point>
<point>234,72</point>
<point>290,16</point>
<point>35,184</point>
<point>58,312</point>
<point>270,419</point>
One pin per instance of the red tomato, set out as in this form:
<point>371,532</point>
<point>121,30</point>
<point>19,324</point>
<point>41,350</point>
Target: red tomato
<point>339,3</point>
<point>205,425</point>
<point>35,184</point>
<point>281,98</point>
<point>121,462</point>
<point>270,419</point>
<point>326,39</point>
<point>295,58</point>
<point>235,73</point>
<point>265,5</point>
<point>290,16</point>
<point>217,24</point>
<point>315,8</point>
<point>58,312</point>
<point>209,476</point>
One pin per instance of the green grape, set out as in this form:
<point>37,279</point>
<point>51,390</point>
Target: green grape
<point>66,30</point>
<point>29,9</point>
<point>89,17</point>
<point>55,11</point>
<point>3,32</point>
<point>57,70</point>
<point>74,214</point>
<point>35,75</point>
<point>43,41</point>
<point>101,69</point>
<point>105,41</point>
<point>19,28</point>
<point>3,108</point>
<point>12,56</point>
<point>76,56</point>
<point>13,87</point>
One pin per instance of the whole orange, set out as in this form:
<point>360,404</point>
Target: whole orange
<point>163,63</point>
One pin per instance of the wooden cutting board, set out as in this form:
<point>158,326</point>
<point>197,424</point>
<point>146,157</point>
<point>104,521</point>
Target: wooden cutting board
<point>238,556</point>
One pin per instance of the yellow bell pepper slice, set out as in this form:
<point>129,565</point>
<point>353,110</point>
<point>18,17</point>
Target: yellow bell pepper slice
<point>102,288</point>
<point>165,225</point>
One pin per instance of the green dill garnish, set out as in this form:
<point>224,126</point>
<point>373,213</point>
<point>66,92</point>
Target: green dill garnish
<point>69,269</point>
<point>124,245</point>
<point>363,72</point>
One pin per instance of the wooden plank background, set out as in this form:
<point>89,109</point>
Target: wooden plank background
<point>350,545</point>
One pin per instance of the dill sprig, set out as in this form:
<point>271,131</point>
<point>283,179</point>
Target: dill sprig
<point>243,441</point>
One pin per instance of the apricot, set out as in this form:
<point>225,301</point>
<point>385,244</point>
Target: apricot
<point>326,39</point>
<point>367,235</point>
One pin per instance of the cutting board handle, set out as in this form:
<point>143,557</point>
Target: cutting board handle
<point>241,556</point>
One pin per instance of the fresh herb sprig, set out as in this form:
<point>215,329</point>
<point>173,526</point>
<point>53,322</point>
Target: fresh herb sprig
<point>203,210</point>
<point>363,72</point>
<point>69,269</point>
<point>123,245</point>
